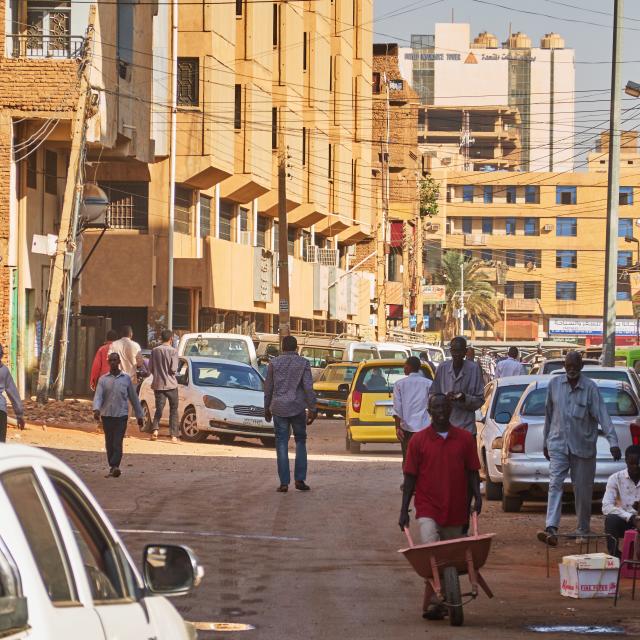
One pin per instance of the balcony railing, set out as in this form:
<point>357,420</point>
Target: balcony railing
<point>41,46</point>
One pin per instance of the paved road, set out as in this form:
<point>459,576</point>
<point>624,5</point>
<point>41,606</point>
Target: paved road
<point>314,565</point>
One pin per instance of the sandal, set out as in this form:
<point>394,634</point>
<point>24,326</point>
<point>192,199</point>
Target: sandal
<point>283,488</point>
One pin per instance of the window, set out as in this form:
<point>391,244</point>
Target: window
<point>510,257</point>
<point>625,258</point>
<point>531,194</point>
<point>261,232</point>
<point>510,226</point>
<point>276,25</point>
<point>274,127</point>
<point>486,255</point>
<point>51,172</point>
<point>625,227</point>
<point>531,227</point>
<point>376,83</point>
<point>467,225</point>
<point>487,225</point>
<point>243,221</point>
<point>237,107</point>
<point>305,52</point>
<point>566,195</point>
<point>623,292</point>
<point>395,262</point>
<point>128,204</point>
<point>226,217</point>
<point>626,196</point>
<point>531,257</point>
<point>292,235</point>
<point>467,193</point>
<point>511,195</point>
<point>330,163</point>
<point>565,290</point>
<point>41,533</point>
<point>531,290</point>
<point>566,259</point>
<point>304,146</point>
<point>488,194</point>
<point>239,7</point>
<point>276,236</point>
<point>468,254</point>
<point>125,33</point>
<point>187,90</point>
<point>183,201</point>
<point>32,170</point>
<point>181,308</point>
<point>396,85</point>
<point>509,290</point>
<point>566,227</point>
<point>205,216</point>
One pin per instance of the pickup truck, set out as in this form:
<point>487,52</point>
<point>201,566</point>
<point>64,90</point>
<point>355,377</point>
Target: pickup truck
<point>65,572</point>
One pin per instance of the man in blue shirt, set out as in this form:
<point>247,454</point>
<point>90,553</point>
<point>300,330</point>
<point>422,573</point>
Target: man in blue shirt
<point>111,405</point>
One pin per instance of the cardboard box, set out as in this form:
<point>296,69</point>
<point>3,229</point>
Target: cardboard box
<point>591,575</point>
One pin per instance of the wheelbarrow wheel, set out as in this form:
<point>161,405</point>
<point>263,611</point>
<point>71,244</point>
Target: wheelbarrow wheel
<point>453,596</point>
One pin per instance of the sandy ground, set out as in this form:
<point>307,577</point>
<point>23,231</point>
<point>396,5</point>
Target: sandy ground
<point>322,564</point>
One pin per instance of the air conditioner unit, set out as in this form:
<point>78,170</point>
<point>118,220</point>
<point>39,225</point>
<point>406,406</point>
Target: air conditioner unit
<point>433,227</point>
<point>547,227</point>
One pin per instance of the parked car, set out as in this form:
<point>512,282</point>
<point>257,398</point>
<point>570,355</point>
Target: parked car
<point>553,364</point>
<point>500,399</point>
<point>628,357</point>
<point>392,351</point>
<point>65,572</point>
<point>525,470</point>
<point>215,396</point>
<point>370,403</point>
<point>226,346</point>
<point>329,398</point>
<point>621,374</point>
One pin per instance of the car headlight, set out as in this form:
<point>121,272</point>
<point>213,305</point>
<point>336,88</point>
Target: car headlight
<point>211,402</point>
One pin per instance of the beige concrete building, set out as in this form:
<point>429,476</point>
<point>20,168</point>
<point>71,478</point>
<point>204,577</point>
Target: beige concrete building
<point>251,76</point>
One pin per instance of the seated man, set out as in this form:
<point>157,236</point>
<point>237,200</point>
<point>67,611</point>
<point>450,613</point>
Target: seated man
<point>620,502</point>
<point>441,468</point>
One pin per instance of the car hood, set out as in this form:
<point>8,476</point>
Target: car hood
<point>232,397</point>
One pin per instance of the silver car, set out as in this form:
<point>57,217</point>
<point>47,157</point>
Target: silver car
<point>620,374</point>
<point>525,470</point>
<point>500,399</point>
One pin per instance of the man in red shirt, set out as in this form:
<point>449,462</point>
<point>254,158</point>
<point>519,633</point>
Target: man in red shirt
<point>100,364</point>
<point>442,469</point>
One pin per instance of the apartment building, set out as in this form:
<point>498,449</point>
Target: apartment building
<point>256,82</point>
<point>542,237</point>
<point>40,52</point>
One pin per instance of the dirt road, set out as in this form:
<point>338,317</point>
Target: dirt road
<point>322,564</point>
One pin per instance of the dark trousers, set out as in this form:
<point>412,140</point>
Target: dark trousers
<point>3,426</point>
<point>161,396</point>
<point>404,444</point>
<point>615,526</point>
<point>114,429</point>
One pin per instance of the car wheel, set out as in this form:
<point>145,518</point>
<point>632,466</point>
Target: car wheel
<point>352,446</point>
<point>146,418</point>
<point>493,490</point>
<point>268,442</point>
<point>189,427</point>
<point>226,438</point>
<point>511,504</point>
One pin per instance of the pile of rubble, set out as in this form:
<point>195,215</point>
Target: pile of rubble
<point>59,413</point>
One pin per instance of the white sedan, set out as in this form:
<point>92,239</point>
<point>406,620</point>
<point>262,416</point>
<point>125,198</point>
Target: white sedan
<point>215,396</point>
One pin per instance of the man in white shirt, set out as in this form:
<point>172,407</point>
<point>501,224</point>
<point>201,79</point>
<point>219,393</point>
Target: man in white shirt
<point>511,366</point>
<point>410,403</point>
<point>129,352</point>
<point>620,501</point>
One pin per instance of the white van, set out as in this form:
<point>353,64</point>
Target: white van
<point>227,346</point>
<point>393,351</point>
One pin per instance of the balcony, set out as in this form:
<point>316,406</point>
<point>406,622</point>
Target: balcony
<point>519,305</point>
<point>44,46</point>
<point>475,239</point>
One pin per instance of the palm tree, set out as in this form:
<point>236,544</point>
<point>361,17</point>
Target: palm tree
<point>479,298</point>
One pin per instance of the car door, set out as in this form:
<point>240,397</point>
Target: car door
<point>114,587</point>
<point>184,379</point>
<point>58,602</point>
<point>483,413</point>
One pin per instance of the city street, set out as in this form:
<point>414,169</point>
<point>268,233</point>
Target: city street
<point>318,565</point>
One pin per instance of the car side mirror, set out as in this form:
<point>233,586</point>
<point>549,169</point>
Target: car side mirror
<point>170,570</point>
<point>343,390</point>
<point>14,615</point>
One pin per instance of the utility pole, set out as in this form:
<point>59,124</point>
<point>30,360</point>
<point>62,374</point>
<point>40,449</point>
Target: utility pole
<point>283,235</point>
<point>613,195</point>
<point>63,261</point>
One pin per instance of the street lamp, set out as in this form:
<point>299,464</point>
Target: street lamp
<point>632,89</point>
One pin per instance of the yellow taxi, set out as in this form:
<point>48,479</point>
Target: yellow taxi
<point>329,398</point>
<point>369,411</point>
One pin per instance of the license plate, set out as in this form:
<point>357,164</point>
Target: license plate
<point>252,421</point>
<point>388,411</point>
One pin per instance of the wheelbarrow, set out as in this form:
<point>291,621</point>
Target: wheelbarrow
<point>442,563</point>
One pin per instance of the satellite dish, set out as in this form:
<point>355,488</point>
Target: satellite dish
<point>94,206</point>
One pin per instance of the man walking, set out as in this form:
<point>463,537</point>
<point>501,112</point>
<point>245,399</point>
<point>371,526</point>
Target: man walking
<point>574,410</point>
<point>621,501</point>
<point>487,365</point>
<point>289,399</point>
<point>510,366</point>
<point>128,351</point>
<point>8,386</point>
<point>442,469</point>
<point>461,381</point>
<point>163,365</point>
<point>100,364</point>
<point>410,400</point>
<point>111,405</point>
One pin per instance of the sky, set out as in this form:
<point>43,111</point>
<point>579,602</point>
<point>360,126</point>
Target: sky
<point>585,25</point>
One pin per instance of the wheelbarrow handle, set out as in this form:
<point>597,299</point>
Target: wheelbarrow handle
<point>408,534</point>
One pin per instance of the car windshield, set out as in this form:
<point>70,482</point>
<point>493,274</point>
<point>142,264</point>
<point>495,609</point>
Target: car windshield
<point>507,398</point>
<point>206,374</point>
<point>364,354</point>
<point>338,374</point>
<point>618,402</point>
<point>435,355</point>
<point>224,348</point>
<point>550,367</point>
<point>392,354</point>
<point>381,379</point>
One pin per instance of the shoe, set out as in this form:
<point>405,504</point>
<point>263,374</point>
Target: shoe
<point>302,486</point>
<point>110,474</point>
<point>154,435</point>
<point>549,536</point>
<point>435,612</point>
<point>283,488</point>
<point>115,472</point>
<point>581,537</point>
<point>174,440</point>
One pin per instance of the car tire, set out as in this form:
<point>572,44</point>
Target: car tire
<point>492,490</point>
<point>352,446</point>
<point>511,504</point>
<point>226,438</point>
<point>189,427</point>
<point>270,443</point>
<point>146,418</point>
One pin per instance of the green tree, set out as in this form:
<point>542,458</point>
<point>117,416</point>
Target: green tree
<point>479,297</point>
<point>428,194</point>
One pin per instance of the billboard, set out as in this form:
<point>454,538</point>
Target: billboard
<point>434,294</point>
<point>589,327</point>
